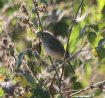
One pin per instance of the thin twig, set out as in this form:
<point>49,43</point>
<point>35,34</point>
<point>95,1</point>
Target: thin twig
<point>95,85</point>
<point>78,9</point>
<point>53,65</point>
<point>38,16</point>
<point>71,57</point>
<point>27,20</point>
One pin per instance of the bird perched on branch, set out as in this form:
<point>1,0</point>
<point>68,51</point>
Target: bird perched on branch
<point>52,46</point>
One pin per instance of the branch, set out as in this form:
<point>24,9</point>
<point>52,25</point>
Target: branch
<point>38,16</point>
<point>26,20</point>
<point>78,9</point>
<point>69,59</point>
<point>95,85</point>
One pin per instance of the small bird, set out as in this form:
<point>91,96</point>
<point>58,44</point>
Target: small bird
<point>52,45</point>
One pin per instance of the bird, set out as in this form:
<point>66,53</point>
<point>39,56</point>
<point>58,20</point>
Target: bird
<point>52,45</point>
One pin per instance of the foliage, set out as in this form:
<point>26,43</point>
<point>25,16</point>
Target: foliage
<point>24,65</point>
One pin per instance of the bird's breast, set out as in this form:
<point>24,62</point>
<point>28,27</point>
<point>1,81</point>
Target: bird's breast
<point>52,53</point>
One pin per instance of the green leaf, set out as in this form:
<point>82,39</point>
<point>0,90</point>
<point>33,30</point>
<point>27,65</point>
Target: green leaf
<point>37,68</point>
<point>87,70</point>
<point>98,92</point>
<point>3,2</point>
<point>83,31</point>
<point>101,49</point>
<point>33,15</point>
<point>75,83</point>
<point>103,11</point>
<point>95,27</point>
<point>92,37</point>
<point>11,10</point>
<point>20,58</point>
<point>101,44</point>
<point>58,96</point>
<point>40,93</point>
<point>36,55</point>
<point>44,1</point>
<point>1,92</point>
<point>68,71</point>
<point>30,79</point>
<point>29,53</point>
<point>101,54</point>
<point>39,27</point>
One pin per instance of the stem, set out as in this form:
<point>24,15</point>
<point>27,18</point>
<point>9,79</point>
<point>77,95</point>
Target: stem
<point>67,46</point>
<point>35,76</point>
<point>95,85</point>
<point>36,6</point>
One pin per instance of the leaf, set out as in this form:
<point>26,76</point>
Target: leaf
<point>44,1</point>
<point>20,58</point>
<point>83,31</point>
<point>68,71</point>
<point>11,10</point>
<point>58,96</point>
<point>29,79</point>
<point>39,27</point>
<point>3,2</point>
<point>40,93</point>
<point>37,68</point>
<point>91,37</point>
<point>87,70</point>
<point>27,95</point>
<point>1,92</point>
<point>103,11</point>
<point>95,27</point>
<point>101,49</point>
<point>101,44</point>
<point>75,83</point>
<point>98,92</point>
<point>29,53</point>
<point>101,54</point>
<point>21,78</point>
<point>3,72</point>
<point>36,55</point>
<point>33,15</point>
